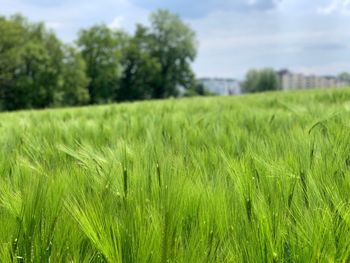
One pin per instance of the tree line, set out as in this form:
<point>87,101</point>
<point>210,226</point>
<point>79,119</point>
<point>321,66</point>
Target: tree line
<point>261,80</point>
<point>37,70</point>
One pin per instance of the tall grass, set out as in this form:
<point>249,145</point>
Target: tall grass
<point>260,178</point>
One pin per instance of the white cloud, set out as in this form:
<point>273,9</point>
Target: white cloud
<point>258,40</point>
<point>55,25</point>
<point>200,9</point>
<point>332,68</point>
<point>117,22</point>
<point>67,17</point>
<point>336,6</point>
<point>231,44</point>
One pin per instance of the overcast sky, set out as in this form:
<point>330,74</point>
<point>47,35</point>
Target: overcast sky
<point>310,36</point>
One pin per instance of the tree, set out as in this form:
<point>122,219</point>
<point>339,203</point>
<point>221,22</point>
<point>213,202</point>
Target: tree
<point>101,49</point>
<point>140,69</point>
<point>175,47</point>
<point>197,90</point>
<point>12,41</point>
<point>261,80</point>
<point>42,65</point>
<point>30,64</point>
<point>37,70</point>
<point>73,84</point>
<point>345,76</point>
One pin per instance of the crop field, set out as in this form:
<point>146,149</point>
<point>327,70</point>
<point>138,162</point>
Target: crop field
<point>256,178</point>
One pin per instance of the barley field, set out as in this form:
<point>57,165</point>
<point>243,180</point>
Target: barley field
<point>256,178</point>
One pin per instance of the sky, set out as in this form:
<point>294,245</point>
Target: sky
<point>306,36</point>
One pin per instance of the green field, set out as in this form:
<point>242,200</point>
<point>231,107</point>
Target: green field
<point>257,178</point>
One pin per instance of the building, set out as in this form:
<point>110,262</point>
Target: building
<point>291,81</point>
<point>220,86</point>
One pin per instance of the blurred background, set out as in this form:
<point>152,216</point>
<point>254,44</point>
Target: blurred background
<point>66,53</point>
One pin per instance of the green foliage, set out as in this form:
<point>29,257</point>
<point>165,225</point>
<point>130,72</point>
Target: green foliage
<point>175,47</point>
<point>256,178</point>
<point>33,66</point>
<point>11,49</point>
<point>261,80</point>
<point>155,61</point>
<point>101,49</point>
<point>345,76</point>
<point>38,71</point>
<point>140,69</point>
<point>197,89</point>
<point>73,87</point>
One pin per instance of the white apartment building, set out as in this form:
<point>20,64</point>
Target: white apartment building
<point>291,81</point>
